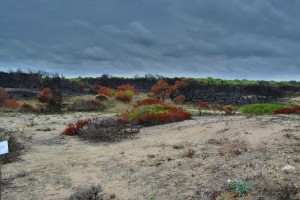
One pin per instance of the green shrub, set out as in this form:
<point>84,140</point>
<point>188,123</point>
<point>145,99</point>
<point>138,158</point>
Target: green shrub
<point>147,109</point>
<point>261,109</point>
<point>156,114</point>
<point>239,187</point>
<point>124,96</point>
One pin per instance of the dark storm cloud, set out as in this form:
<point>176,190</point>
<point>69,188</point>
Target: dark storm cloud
<point>256,39</point>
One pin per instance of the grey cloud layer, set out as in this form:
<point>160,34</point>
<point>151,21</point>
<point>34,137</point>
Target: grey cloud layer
<point>256,39</point>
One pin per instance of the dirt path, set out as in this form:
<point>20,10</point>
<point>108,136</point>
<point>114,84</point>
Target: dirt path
<point>154,165</point>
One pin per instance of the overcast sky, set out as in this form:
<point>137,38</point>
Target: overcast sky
<point>232,39</point>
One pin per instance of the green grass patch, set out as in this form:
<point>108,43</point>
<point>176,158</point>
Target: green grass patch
<point>147,109</point>
<point>261,109</point>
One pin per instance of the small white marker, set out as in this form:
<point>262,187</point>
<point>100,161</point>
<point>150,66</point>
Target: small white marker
<point>3,147</point>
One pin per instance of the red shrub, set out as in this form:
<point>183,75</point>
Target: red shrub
<point>106,91</point>
<point>287,111</point>
<point>128,87</point>
<point>70,130</point>
<point>179,99</point>
<point>162,118</point>
<point>147,102</point>
<point>81,123</point>
<point>73,128</point>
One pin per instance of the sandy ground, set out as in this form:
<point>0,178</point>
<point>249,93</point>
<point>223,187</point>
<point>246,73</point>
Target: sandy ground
<point>155,164</point>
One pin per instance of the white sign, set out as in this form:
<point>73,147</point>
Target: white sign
<point>3,147</point>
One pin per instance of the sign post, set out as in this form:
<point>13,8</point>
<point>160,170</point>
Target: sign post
<point>3,150</point>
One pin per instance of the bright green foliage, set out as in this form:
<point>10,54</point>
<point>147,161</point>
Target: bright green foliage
<point>147,109</point>
<point>261,109</point>
<point>240,187</point>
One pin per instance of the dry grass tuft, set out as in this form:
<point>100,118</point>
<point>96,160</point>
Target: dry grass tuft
<point>88,193</point>
<point>107,130</point>
<point>188,152</point>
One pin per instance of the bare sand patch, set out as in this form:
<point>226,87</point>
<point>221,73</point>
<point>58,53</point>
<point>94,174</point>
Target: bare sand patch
<point>154,164</point>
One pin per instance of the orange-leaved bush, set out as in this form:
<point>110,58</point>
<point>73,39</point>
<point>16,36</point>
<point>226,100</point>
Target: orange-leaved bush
<point>107,91</point>
<point>182,83</point>
<point>128,87</point>
<point>179,99</point>
<point>124,96</point>
<point>161,89</point>
<point>51,98</point>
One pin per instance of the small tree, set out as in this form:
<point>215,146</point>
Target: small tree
<point>51,98</point>
<point>7,101</point>
<point>3,97</point>
<point>161,89</point>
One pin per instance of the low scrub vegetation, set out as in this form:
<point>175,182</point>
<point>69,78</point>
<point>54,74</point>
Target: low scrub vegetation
<point>128,87</point>
<point>151,112</point>
<point>106,130</point>
<point>262,109</point>
<point>93,192</point>
<point>72,129</point>
<point>102,97</point>
<point>87,105</point>
<point>125,93</point>
<point>145,102</point>
<point>107,91</point>
<point>124,96</point>
<point>227,109</point>
<point>240,187</point>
